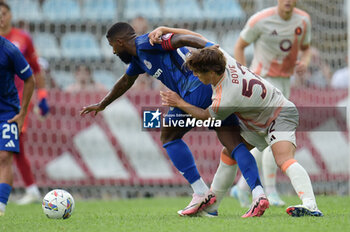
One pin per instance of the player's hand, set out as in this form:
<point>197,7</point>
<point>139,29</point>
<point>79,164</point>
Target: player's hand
<point>170,98</point>
<point>44,107</point>
<point>300,68</point>
<point>92,108</point>
<point>155,36</point>
<point>19,119</point>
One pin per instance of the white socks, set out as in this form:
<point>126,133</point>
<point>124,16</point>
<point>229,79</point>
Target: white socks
<point>257,191</point>
<point>33,190</point>
<point>269,170</point>
<point>2,207</point>
<point>258,157</point>
<point>199,187</point>
<point>302,184</point>
<point>223,180</point>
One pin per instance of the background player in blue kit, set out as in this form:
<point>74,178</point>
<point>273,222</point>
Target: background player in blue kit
<point>165,62</point>
<point>11,114</point>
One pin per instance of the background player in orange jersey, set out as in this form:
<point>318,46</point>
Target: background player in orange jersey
<point>24,42</point>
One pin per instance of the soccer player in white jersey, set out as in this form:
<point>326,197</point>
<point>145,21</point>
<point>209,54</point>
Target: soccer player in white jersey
<point>278,34</point>
<point>267,118</point>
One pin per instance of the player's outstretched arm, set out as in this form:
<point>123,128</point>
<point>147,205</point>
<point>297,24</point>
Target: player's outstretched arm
<point>238,51</point>
<point>170,98</point>
<point>180,40</point>
<point>305,57</point>
<point>28,90</point>
<point>124,83</point>
<point>156,34</point>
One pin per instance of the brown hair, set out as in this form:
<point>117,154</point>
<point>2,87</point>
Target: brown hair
<point>4,4</point>
<point>206,60</point>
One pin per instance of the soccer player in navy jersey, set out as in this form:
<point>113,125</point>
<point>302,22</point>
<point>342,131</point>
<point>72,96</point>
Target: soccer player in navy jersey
<point>165,62</point>
<point>23,41</point>
<point>12,115</point>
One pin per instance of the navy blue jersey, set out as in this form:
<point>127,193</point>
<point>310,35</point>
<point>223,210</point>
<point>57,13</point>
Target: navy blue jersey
<point>164,65</point>
<point>11,62</point>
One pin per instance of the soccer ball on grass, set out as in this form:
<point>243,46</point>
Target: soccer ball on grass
<point>58,204</point>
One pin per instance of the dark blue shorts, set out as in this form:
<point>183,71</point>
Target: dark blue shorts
<point>9,137</point>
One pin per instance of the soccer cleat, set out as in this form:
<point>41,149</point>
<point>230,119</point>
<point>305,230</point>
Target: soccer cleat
<point>198,203</point>
<point>258,207</point>
<point>204,213</point>
<point>241,195</point>
<point>29,198</point>
<point>275,200</point>
<point>301,210</point>
<point>180,213</point>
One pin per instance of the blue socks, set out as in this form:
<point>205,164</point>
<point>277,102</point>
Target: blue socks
<point>5,190</point>
<point>182,159</point>
<point>247,165</point>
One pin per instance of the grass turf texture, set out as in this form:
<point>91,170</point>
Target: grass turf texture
<point>159,214</point>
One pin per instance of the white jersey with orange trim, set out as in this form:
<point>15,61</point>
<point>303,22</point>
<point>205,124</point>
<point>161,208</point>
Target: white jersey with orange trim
<point>253,99</point>
<point>276,41</point>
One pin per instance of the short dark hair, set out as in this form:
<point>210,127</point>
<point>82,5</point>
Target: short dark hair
<point>206,60</point>
<point>121,29</point>
<point>3,4</point>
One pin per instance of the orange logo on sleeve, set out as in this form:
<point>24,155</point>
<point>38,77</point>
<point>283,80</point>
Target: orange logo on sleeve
<point>298,31</point>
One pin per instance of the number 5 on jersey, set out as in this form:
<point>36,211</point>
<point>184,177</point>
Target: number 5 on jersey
<point>247,89</point>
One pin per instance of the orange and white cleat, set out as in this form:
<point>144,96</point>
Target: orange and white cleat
<point>301,211</point>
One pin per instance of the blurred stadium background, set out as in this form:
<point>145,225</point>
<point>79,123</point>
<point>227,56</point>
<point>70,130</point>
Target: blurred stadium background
<point>110,155</point>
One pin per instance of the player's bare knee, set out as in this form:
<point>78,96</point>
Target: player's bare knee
<point>282,151</point>
<point>229,138</point>
<point>170,134</point>
<point>163,138</point>
<point>167,137</point>
<point>281,158</point>
<point>279,165</point>
<point>5,158</point>
<point>225,151</point>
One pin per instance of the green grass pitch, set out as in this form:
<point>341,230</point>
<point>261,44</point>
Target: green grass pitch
<point>159,214</point>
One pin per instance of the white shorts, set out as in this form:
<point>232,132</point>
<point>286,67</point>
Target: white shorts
<point>281,83</point>
<point>281,129</point>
